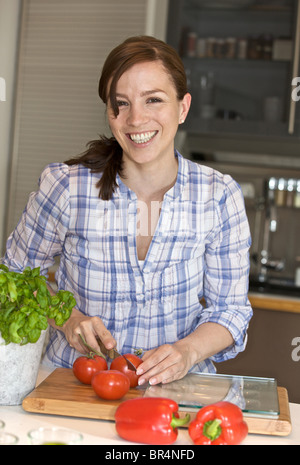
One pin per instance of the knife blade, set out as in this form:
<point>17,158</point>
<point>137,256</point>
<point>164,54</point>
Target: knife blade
<point>113,353</point>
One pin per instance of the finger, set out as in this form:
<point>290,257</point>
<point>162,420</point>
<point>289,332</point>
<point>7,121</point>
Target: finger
<point>154,357</point>
<point>174,377</point>
<point>77,344</point>
<point>80,346</point>
<point>95,330</point>
<point>169,365</point>
<point>156,366</point>
<point>171,373</point>
<point>147,354</point>
<point>107,339</point>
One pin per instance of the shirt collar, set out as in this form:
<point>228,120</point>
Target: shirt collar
<point>172,194</point>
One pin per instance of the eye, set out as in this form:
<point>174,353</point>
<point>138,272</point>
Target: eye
<point>121,103</point>
<point>154,100</point>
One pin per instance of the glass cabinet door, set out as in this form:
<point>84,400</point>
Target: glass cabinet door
<point>240,57</point>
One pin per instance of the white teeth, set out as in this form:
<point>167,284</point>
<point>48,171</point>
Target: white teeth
<point>142,138</point>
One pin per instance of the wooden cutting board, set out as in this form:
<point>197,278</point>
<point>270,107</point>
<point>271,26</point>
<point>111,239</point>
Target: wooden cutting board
<point>62,394</point>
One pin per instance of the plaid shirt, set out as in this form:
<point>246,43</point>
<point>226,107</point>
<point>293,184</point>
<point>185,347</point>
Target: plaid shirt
<point>199,252</point>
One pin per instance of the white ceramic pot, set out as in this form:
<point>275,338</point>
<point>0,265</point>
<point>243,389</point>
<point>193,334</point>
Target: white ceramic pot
<point>19,366</point>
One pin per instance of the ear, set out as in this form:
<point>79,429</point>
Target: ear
<point>184,107</point>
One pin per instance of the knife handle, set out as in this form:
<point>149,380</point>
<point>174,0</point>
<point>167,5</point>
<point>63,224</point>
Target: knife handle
<point>109,352</point>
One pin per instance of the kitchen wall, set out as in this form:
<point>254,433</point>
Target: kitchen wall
<point>9,28</point>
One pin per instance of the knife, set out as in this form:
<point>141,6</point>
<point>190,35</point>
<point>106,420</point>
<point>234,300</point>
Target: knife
<point>113,353</point>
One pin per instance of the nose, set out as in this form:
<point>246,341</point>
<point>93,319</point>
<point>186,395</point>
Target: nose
<point>137,115</point>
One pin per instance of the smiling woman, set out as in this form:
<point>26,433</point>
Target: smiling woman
<point>146,124</point>
<point>144,235</point>
<point>142,52</point>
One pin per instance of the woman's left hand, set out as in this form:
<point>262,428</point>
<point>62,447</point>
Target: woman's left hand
<point>165,363</point>
<point>172,361</point>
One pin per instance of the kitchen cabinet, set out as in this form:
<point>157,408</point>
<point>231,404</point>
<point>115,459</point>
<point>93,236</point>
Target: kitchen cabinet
<point>273,345</point>
<point>275,248</point>
<point>241,58</point>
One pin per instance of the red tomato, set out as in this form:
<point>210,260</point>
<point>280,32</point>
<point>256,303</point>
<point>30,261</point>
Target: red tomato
<point>120,364</point>
<point>110,384</point>
<point>85,367</point>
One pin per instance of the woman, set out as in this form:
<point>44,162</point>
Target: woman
<point>142,233</point>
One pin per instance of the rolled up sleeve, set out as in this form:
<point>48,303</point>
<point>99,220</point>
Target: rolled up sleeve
<point>226,276</point>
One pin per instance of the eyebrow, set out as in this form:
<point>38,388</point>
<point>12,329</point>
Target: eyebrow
<point>143,94</point>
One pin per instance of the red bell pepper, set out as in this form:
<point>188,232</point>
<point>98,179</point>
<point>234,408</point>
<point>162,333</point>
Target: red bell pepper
<point>149,420</point>
<point>221,423</point>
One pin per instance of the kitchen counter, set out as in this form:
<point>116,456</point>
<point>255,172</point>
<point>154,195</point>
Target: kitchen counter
<point>275,302</point>
<point>98,432</point>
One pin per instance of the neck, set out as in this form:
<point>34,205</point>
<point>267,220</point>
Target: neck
<point>151,182</point>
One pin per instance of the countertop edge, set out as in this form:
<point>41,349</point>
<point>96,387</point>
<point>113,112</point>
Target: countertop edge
<point>274,302</point>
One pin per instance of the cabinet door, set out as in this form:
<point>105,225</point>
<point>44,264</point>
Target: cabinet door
<point>239,57</point>
<point>272,350</point>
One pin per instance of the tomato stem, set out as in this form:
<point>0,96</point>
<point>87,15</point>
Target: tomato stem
<point>138,352</point>
<point>92,351</point>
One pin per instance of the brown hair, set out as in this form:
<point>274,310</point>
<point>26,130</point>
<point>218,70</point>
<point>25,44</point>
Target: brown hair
<point>105,155</point>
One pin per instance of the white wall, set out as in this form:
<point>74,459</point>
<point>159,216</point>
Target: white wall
<point>157,17</point>
<point>9,25</point>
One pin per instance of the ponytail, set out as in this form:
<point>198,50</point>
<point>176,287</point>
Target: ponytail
<point>102,156</point>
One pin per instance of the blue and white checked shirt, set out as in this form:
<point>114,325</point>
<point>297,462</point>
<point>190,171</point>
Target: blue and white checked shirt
<point>199,249</point>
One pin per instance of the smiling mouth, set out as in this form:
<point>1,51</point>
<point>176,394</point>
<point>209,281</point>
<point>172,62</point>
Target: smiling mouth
<point>142,137</point>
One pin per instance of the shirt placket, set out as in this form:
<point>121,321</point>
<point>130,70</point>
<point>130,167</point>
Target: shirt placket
<point>162,231</point>
<point>132,228</point>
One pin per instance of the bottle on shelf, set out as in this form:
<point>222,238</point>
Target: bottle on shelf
<point>290,194</point>
<point>297,272</point>
<point>281,193</point>
<point>297,195</point>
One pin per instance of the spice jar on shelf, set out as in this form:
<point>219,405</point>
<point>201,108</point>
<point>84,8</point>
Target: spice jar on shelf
<point>242,46</point>
<point>201,48</point>
<point>254,48</point>
<point>297,272</point>
<point>191,44</point>
<point>267,47</point>
<point>220,48</point>
<point>297,195</point>
<point>290,192</point>
<point>272,185</point>
<point>230,47</point>
<point>210,47</point>
<point>281,192</point>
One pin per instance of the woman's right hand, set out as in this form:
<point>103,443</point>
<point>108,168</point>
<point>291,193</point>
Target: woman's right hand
<point>90,328</point>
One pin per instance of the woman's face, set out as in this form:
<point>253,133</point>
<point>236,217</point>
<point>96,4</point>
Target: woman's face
<point>149,114</point>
